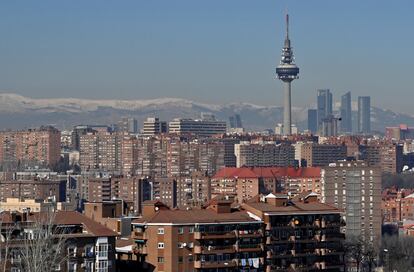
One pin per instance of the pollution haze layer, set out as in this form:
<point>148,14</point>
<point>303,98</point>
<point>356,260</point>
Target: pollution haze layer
<point>210,51</point>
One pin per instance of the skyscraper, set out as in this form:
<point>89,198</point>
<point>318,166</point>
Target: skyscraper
<point>346,113</point>
<point>364,114</point>
<point>235,121</point>
<point>312,120</point>
<point>287,71</point>
<point>324,105</point>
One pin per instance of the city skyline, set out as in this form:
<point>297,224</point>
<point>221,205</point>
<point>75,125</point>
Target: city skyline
<point>154,50</point>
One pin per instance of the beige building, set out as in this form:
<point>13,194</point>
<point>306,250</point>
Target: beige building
<point>14,204</point>
<point>355,188</point>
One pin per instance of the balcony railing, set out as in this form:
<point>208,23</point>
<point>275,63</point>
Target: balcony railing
<point>198,235</point>
<point>249,247</point>
<point>211,249</point>
<point>215,264</point>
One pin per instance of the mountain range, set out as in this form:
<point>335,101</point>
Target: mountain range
<point>19,112</point>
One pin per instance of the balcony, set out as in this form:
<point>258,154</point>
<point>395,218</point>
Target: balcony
<point>249,234</point>
<point>137,235</point>
<point>198,235</point>
<point>214,249</point>
<point>215,264</point>
<point>249,247</point>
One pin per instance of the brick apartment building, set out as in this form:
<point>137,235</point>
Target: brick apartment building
<point>244,183</point>
<point>35,188</point>
<point>131,190</point>
<point>33,147</point>
<point>221,238</point>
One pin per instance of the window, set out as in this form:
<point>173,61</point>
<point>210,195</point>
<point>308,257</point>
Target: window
<point>180,245</point>
<point>180,259</point>
<point>102,266</point>
<point>71,267</point>
<point>72,251</point>
<point>180,230</point>
<point>102,250</point>
<point>160,245</point>
<point>191,229</point>
<point>161,259</point>
<point>88,266</point>
<point>160,230</point>
<point>88,251</point>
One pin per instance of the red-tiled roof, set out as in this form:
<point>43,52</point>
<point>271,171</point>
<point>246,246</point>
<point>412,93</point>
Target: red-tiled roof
<point>268,172</point>
<point>63,218</point>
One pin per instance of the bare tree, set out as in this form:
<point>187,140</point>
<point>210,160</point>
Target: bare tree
<point>354,247</point>
<point>360,253</point>
<point>399,252</point>
<point>5,239</point>
<point>43,246</point>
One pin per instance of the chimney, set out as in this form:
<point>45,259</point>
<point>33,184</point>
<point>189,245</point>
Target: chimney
<point>150,208</point>
<point>276,200</point>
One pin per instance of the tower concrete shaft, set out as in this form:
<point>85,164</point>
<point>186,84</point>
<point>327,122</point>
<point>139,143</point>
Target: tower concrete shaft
<point>287,109</point>
<point>287,71</point>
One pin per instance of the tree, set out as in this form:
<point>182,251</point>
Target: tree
<point>354,250</point>
<point>361,253</point>
<point>34,244</point>
<point>399,252</point>
<point>43,247</point>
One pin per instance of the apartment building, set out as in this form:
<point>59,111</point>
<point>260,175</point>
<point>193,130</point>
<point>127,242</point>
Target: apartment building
<point>355,188</point>
<point>35,188</point>
<point>153,126</point>
<point>100,150</point>
<point>200,127</point>
<point>213,239</point>
<point>29,148</point>
<point>316,155</point>
<point>131,190</point>
<point>268,233</point>
<point>385,154</point>
<point>264,154</point>
<point>301,234</point>
<point>246,182</point>
<point>87,245</point>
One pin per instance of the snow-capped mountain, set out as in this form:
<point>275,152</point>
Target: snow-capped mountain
<point>17,111</point>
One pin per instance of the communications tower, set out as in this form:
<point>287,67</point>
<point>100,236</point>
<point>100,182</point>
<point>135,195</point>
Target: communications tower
<point>287,71</point>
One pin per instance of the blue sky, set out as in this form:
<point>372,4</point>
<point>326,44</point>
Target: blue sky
<point>210,51</point>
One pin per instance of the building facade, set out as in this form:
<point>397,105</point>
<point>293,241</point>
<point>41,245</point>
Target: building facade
<point>355,188</point>
<point>364,114</point>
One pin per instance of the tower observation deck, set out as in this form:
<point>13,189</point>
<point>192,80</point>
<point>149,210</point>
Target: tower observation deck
<point>287,71</point>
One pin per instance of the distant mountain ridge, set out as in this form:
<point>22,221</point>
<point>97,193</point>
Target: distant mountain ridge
<point>18,112</point>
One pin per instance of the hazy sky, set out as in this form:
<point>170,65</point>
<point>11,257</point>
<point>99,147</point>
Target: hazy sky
<point>210,51</point>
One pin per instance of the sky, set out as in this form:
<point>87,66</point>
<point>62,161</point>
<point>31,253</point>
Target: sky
<point>211,51</point>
